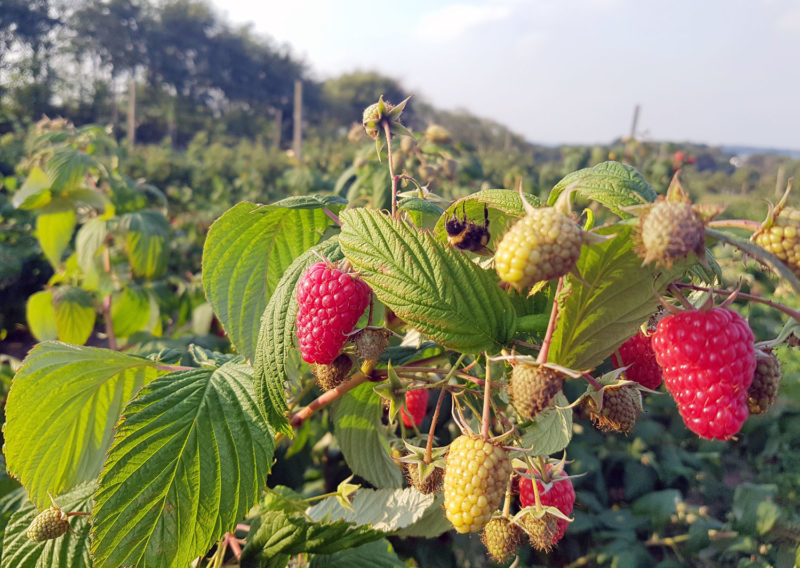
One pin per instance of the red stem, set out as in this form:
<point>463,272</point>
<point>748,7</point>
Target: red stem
<point>231,541</point>
<point>326,398</point>
<point>795,314</point>
<point>745,224</point>
<point>551,326</point>
<point>432,431</point>
<point>487,397</point>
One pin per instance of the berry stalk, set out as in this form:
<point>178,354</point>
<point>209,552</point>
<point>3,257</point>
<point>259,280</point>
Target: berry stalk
<point>551,326</point>
<point>794,314</point>
<point>487,397</point>
<point>390,154</point>
<point>326,398</point>
<point>434,420</point>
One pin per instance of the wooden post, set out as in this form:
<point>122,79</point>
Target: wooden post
<point>635,122</point>
<point>298,120</point>
<point>276,140</point>
<point>132,112</point>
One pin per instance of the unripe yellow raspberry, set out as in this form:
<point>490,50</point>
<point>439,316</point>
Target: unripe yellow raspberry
<point>543,245</point>
<point>50,523</point>
<point>781,237</point>
<point>475,478</point>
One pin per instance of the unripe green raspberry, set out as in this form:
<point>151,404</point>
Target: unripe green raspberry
<point>781,237</point>
<point>543,245</point>
<point>542,531</point>
<point>669,232</point>
<point>763,390</point>
<point>501,538</point>
<point>621,406</point>
<point>475,478</point>
<point>50,523</point>
<point>332,375</point>
<point>532,387</point>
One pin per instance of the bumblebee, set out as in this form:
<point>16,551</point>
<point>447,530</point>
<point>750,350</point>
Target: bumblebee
<point>468,235</point>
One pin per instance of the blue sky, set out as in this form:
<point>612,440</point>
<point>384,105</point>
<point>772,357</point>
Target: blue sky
<point>567,71</point>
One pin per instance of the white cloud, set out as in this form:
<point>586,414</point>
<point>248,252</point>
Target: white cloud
<point>790,21</point>
<point>451,22</point>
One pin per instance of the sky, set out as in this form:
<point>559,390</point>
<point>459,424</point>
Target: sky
<point>720,72</point>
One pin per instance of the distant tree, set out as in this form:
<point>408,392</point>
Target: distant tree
<point>346,96</point>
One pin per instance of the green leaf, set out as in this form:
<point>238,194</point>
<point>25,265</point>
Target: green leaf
<point>612,184</point>
<point>245,254</point>
<point>357,429</point>
<point>551,431</point>
<point>67,167</point>
<point>54,232</point>
<point>420,205</point>
<point>145,239</point>
<point>431,524</point>
<point>748,498</point>
<point>316,201</point>
<point>434,288</point>
<point>35,192</point>
<point>88,241</point>
<point>659,506</point>
<point>767,514</point>
<point>41,315</point>
<point>68,551</point>
<point>130,311</point>
<point>378,554</point>
<point>386,510</point>
<point>190,455</point>
<point>75,314</point>
<point>282,534</point>
<point>505,206</point>
<point>61,412</point>
<point>277,334</point>
<point>616,296</point>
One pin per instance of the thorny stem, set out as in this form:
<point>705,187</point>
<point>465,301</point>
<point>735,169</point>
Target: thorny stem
<point>592,381</point>
<point>234,544</point>
<point>745,224</point>
<point>551,326</point>
<point>434,420</point>
<point>332,215</point>
<point>326,398</point>
<point>174,368</point>
<point>795,314</point>
<point>388,131</point>
<point>487,397</point>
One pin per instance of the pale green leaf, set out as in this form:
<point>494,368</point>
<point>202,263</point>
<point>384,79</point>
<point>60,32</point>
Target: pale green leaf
<point>316,201</point>
<point>245,254</point>
<point>616,296</point>
<point>61,412</point>
<point>67,167</point>
<point>35,192</point>
<point>551,430</point>
<point>378,554</point>
<point>433,287</point>
<point>130,311</point>
<point>747,499</point>
<point>277,335</point>
<point>75,314</point>
<point>189,458</point>
<point>432,523</point>
<point>41,315</point>
<point>386,510</point>
<point>612,184</point>
<point>419,205</point>
<point>281,534</point>
<point>145,240</point>
<point>54,232</point>
<point>68,551</point>
<point>505,207</point>
<point>357,427</point>
<point>88,241</point>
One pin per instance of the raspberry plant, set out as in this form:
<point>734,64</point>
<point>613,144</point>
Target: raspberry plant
<point>169,457</point>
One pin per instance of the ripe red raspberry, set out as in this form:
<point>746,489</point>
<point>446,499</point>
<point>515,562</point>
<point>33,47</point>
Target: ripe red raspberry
<point>638,353</point>
<point>329,304</point>
<point>417,404</point>
<point>708,361</point>
<point>558,493</point>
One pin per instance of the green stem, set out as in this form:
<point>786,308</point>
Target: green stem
<point>745,224</point>
<point>390,154</point>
